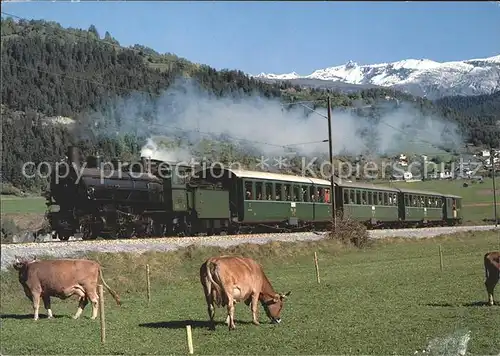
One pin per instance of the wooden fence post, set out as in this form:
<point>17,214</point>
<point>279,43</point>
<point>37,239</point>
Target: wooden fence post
<point>440,258</point>
<point>148,284</point>
<point>189,339</point>
<point>101,314</point>
<point>316,264</point>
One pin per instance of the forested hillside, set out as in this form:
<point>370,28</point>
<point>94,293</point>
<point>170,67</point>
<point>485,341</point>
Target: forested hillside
<point>50,71</point>
<point>484,113</point>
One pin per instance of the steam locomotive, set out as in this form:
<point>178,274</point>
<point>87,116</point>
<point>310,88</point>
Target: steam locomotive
<point>116,200</point>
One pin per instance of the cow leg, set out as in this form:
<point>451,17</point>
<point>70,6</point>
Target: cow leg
<point>255,308</point>
<point>36,305</point>
<point>210,307</point>
<point>490,284</point>
<point>46,304</point>
<point>94,299</point>
<point>230,311</point>
<point>82,302</point>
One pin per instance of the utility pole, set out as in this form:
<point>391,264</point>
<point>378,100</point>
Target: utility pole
<point>332,189</point>
<point>492,160</point>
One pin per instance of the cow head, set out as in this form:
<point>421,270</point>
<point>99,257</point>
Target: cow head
<point>21,262</point>
<point>273,307</point>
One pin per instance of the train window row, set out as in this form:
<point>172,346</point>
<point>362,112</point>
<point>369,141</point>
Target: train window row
<point>366,197</point>
<point>259,190</point>
<point>420,201</point>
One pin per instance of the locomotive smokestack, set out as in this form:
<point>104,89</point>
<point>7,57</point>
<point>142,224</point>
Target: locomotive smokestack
<point>73,156</point>
<point>146,164</point>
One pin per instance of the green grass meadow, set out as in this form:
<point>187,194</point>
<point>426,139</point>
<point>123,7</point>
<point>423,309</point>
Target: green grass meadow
<point>18,205</point>
<point>389,298</point>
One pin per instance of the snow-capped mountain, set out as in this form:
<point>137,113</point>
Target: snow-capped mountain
<point>422,77</point>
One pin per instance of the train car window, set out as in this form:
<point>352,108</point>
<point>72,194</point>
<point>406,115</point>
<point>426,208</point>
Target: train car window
<point>346,196</point>
<point>320,195</point>
<point>249,190</point>
<point>327,195</point>
<point>258,190</point>
<point>311,193</point>
<point>303,193</point>
<point>296,193</point>
<point>407,201</point>
<point>352,198</point>
<point>277,192</point>
<point>358,197</point>
<point>269,190</point>
<point>395,199</point>
<point>364,199</point>
<point>370,198</point>
<point>287,192</point>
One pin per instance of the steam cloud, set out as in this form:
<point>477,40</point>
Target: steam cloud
<point>266,127</point>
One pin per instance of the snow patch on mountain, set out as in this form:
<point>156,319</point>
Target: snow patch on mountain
<point>423,77</point>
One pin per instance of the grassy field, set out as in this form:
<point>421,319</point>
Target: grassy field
<point>390,298</point>
<point>27,213</point>
<point>16,205</point>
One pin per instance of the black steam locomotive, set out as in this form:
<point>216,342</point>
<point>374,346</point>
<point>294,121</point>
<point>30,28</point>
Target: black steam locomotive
<point>115,200</point>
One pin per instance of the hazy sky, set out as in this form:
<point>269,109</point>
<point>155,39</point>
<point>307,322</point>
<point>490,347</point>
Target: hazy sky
<point>281,37</point>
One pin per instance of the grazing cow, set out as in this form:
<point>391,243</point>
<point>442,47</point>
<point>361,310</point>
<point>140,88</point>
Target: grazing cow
<point>492,272</point>
<point>62,279</point>
<point>228,280</point>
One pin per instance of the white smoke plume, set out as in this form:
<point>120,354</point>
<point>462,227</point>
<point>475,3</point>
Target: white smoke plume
<point>266,126</point>
<point>156,151</point>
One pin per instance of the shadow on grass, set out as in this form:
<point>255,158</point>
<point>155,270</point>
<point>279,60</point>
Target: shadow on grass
<point>181,324</point>
<point>472,304</point>
<point>28,316</point>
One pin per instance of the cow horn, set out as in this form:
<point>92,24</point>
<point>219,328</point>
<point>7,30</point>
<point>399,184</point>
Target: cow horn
<point>285,295</point>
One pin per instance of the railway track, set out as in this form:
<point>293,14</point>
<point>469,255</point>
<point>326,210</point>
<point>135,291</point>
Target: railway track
<point>75,248</point>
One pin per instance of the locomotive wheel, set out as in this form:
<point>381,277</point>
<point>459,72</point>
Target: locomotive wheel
<point>88,232</point>
<point>63,236</point>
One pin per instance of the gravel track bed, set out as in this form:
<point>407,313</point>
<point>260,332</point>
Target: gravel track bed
<point>59,249</point>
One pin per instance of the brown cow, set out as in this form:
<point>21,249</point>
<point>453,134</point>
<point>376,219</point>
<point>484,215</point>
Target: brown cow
<point>492,272</point>
<point>228,280</point>
<point>62,279</point>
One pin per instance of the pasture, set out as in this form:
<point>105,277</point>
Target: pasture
<point>26,212</point>
<point>18,205</point>
<point>389,298</point>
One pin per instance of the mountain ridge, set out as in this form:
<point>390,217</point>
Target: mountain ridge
<point>421,77</point>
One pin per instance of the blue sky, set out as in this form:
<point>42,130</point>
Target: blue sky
<point>281,37</point>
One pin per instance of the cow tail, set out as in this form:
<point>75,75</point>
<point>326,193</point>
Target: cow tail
<point>112,292</point>
<point>212,282</point>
